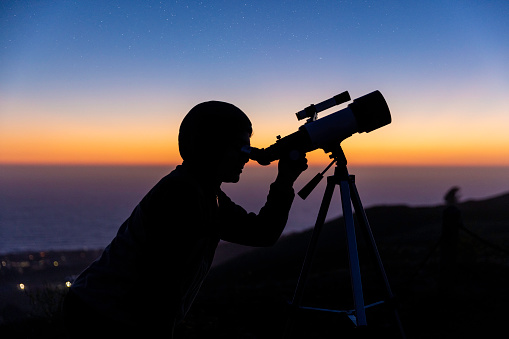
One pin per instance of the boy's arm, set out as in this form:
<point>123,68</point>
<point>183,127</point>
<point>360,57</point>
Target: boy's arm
<point>264,228</point>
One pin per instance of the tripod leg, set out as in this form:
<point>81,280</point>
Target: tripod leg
<point>372,248</point>
<point>353,256</point>
<point>306,266</point>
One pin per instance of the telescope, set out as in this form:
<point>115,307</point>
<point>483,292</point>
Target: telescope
<point>364,114</point>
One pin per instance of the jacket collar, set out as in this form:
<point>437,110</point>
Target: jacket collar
<point>199,175</point>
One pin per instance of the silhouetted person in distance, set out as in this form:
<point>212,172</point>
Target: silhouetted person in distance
<point>147,278</point>
<point>451,224</point>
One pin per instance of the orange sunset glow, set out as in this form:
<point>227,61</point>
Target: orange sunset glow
<point>126,137</point>
<point>395,144</point>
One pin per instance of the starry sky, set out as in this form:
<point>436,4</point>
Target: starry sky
<point>108,82</point>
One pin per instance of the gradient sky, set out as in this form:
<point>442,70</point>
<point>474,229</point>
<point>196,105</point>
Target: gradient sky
<point>110,81</point>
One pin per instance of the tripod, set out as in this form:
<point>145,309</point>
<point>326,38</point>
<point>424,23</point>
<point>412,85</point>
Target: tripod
<point>349,196</point>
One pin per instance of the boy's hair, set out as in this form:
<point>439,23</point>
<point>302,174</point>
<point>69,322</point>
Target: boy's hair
<point>210,124</point>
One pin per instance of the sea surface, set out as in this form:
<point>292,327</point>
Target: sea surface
<point>46,208</point>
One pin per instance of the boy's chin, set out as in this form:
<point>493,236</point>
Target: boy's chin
<point>232,178</point>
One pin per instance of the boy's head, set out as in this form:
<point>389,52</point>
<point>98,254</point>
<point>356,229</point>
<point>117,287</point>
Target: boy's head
<point>211,136</point>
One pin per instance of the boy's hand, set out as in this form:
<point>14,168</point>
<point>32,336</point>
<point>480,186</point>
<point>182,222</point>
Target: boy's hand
<point>290,167</point>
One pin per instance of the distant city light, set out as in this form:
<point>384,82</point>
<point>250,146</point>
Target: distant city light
<point>21,286</point>
<point>68,284</point>
<point>55,263</point>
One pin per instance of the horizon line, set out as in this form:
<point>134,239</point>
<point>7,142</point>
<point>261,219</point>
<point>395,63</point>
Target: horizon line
<point>250,164</point>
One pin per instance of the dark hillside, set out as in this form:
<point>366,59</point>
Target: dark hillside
<point>252,290</point>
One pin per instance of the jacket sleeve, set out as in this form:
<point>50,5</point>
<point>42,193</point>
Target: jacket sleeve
<point>262,229</point>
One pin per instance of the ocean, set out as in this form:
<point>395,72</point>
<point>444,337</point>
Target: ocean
<point>46,208</point>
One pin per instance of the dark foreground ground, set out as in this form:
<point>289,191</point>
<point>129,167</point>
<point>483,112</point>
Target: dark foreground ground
<point>247,297</point>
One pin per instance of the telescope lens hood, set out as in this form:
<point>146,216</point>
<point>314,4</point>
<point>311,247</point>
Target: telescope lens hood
<point>370,111</point>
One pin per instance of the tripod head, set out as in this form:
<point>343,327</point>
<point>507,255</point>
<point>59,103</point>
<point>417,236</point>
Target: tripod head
<point>338,157</point>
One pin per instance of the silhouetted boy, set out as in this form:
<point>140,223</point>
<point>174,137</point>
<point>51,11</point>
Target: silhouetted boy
<point>148,276</point>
